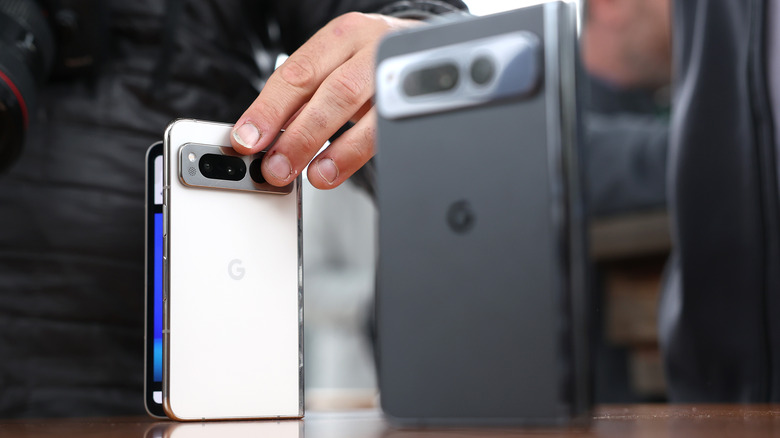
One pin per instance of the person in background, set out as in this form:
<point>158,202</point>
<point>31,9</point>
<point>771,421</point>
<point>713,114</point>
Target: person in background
<point>719,336</point>
<point>626,51</point>
<point>719,330</point>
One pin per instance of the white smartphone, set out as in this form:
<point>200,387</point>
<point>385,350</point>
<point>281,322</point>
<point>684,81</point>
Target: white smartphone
<point>232,282</point>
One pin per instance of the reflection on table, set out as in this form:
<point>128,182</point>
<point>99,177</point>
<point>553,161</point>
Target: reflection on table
<point>624,421</point>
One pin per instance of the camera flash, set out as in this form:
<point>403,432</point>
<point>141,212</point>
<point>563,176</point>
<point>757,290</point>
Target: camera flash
<point>191,156</point>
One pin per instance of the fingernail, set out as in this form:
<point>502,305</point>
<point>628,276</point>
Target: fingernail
<point>328,170</point>
<point>247,135</point>
<point>279,166</point>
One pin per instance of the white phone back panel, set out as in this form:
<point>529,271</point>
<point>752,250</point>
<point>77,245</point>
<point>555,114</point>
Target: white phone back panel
<point>233,348</point>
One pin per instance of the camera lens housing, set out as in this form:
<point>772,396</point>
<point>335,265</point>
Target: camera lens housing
<point>459,75</point>
<point>222,167</point>
<point>431,80</point>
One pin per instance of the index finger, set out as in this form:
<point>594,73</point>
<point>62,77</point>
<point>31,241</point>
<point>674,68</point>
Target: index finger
<point>295,81</point>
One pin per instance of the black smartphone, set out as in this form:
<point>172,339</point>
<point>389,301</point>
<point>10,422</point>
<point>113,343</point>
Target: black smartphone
<point>481,289</point>
<point>153,294</point>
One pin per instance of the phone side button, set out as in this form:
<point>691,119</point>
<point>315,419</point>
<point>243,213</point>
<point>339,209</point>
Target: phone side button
<point>165,218</point>
<point>166,277</point>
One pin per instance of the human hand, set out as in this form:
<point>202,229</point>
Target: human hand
<point>327,82</point>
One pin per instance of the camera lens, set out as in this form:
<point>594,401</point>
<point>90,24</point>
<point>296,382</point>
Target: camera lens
<point>222,167</point>
<point>255,172</point>
<point>431,80</point>
<point>26,54</point>
<point>482,70</point>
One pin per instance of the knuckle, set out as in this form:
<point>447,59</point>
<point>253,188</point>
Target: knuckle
<point>346,90</point>
<point>362,145</point>
<point>302,139</point>
<point>299,71</point>
<point>317,118</point>
<point>347,22</point>
<point>270,111</point>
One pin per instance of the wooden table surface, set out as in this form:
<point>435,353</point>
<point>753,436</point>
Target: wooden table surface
<point>625,421</point>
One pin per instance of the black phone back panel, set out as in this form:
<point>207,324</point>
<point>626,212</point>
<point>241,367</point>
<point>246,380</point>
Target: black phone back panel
<point>473,309</point>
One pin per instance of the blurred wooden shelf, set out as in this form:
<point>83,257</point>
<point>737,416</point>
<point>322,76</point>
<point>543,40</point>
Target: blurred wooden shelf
<point>630,253</point>
<point>631,235</point>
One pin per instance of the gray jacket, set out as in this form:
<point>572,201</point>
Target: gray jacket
<point>719,322</point>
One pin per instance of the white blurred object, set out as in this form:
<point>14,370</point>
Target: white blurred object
<point>339,228</point>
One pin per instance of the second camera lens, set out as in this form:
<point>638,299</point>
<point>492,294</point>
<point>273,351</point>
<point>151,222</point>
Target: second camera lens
<point>482,70</point>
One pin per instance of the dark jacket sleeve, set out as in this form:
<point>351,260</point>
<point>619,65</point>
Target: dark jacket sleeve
<point>718,316</point>
<point>300,19</point>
